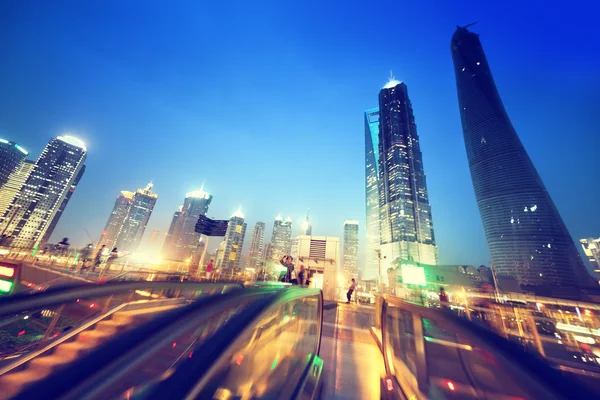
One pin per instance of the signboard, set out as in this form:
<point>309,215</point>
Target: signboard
<point>413,275</point>
<point>211,227</point>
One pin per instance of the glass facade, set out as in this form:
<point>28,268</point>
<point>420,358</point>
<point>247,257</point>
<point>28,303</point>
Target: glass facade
<point>11,157</point>
<point>525,233</point>
<point>371,270</point>
<point>281,239</point>
<point>136,220</point>
<point>230,251</point>
<point>350,256</point>
<point>256,246</point>
<point>14,184</point>
<point>35,210</point>
<point>406,225</point>
<point>116,220</point>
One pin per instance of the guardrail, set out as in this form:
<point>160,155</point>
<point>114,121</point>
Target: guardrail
<point>431,353</point>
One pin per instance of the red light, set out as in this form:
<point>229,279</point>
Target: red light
<point>7,271</point>
<point>239,359</point>
<point>190,355</point>
<point>389,384</point>
<point>174,344</point>
<point>55,335</point>
<point>451,386</point>
<point>92,305</point>
<point>21,333</point>
<point>78,300</point>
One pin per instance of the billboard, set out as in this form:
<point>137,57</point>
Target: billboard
<point>211,227</point>
<point>413,275</point>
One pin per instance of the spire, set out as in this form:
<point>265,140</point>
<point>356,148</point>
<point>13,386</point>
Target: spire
<point>392,82</point>
<point>238,213</point>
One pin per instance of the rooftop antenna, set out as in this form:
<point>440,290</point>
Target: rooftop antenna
<point>466,26</point>
<point>392,77</point>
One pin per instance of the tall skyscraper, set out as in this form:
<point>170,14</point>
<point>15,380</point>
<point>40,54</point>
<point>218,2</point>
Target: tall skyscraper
<point>12,156</point>
<point>256,246</point>
<point>373,237</point>
<point>525,233</point>
<point>230,251</point>
<point>405,213</point>
<point>591,248</point>
<point>136,219</point>
<point>305,226</point>
<point>14,184</point>
<point>35,210</point>
<point>169,249</point>
<point>350,256</point>
<point>281,238</point>
<point>195,204</point>
<point>116,220</point>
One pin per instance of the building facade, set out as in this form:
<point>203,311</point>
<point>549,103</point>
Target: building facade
<point>591,248</point>
<point>281,238</point>
<point>256,246</point>
<point>36,208</point>
<point>406,225</point>
<point>320,255</point>
<point>136,219</point>
<point>169,249</point>
<point>14,184</point>
<point>12,156</point>
<point>230,250</point>
<point>115,222</point>
<point>350,254</point>
<point>526,236</point>
<point>370,272</point>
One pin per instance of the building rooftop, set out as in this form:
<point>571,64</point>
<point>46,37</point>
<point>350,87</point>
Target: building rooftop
<point>238,213</point>
<point>73,141</point>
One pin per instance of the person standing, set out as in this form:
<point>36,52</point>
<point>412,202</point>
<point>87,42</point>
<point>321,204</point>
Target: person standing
<point>288,262</point>
<point>351,290</point>
<point>209,270</point>
<point>302,276</point>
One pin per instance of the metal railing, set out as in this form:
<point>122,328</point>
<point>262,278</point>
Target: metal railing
<point>431,353</point>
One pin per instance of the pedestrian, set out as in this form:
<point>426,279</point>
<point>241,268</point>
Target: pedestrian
<point>302,276</point>
<point>351,290</point>
<point>98,258</point>
<point>209,270</point>
<point>288,262</point>
<point>114,254</point>
<point>443,299</point>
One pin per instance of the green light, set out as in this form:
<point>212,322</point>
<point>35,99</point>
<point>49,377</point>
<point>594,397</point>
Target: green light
<point>5,286</point>
<point>274,364</point>
<point>35,250</point>
<point>77,257</point>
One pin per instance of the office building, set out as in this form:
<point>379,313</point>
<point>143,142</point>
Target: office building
<point>526,236</point>
<point>169,249</point>
<point>350,255</point>
<point>591,248</point>
<point>136,220</point>
<point>255,252</point>
<point>14,184</point>
<point>281,238</point>
<point>320,256</point>
<point>406,225</point>
<point>116,220</point>
<point>370,272</point>
<point>12,155</point>
<point>37,207</point>
<point>305,226</point>
<point>230,250</point>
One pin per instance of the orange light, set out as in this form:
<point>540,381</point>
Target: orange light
<point>451,386</point>
<point>389,384</point>
<point>7,271</point>
<point>92,305</point>
<point>239,359</point>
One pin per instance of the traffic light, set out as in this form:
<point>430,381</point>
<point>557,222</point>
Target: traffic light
<point>8,277</point>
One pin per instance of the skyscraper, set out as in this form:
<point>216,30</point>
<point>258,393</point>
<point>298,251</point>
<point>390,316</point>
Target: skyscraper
<point>11,157</point>
<point>305,226</point>
<point>350,256</point>
<point>373,237</point>
<point>35,210</point>
<point>230,251</point>
<point>405,213</point>
<point>14,184</point>
<point>281,238</point>
<point>136,219</point>
<point>169,249</point>
<point>256,246</point>
<point>591,248</point>
<point>116,220</point>
<point>186,238</point>
<point>525,233</point>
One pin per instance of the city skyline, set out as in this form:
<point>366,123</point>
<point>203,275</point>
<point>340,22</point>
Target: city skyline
<point>173,112</point>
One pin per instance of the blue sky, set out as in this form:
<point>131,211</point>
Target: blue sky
<point>264,101</point>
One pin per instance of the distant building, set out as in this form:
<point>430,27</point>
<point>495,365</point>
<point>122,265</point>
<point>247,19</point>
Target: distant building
<point>154,238</point>
<point>281,238</point>
<point>255,253</point>
<point>373,237</point>
<point>320,255</point>
<point>34,212</point>
<point>230,250</point>
<point>169,249</point>
<point>294,243</point>
<point>591,248</point>
<point>12,155</point>
<point>115,222</point>
<point>268,252</point>
<point>525,233</point>
<point>305,226</point>
<point>14,184</point>
<point>350,255</point>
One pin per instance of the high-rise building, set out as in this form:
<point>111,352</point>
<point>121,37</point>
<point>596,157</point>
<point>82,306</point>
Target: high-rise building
<point>11,157</point>
<point>136,219</point>
<point>256,246</point>
<point>35,210</point>
<point>591,248</point>
<point>405,213</point>
<point>350,256</point>
<point>373,237</point>
<point>526,236</point>
<point>195,204</point>
<point>116,220</point>
<point>14,184</point>
<point>268,252</point>
<point>305,226</point>
<point>169,249</point>
<point>230,250</point>
<point>281,238</point>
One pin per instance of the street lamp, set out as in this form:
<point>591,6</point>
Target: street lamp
<point>378,251</point>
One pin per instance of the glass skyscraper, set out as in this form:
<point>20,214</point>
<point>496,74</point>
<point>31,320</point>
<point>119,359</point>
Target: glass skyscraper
<point>406,225</point>
<point>256,245</point>
<point>230,251</point>
<point>116,220</point>
<point>350,256</point>
<point>281,238</point>
<point>136,219</point>
<point>373,238</point>
<point>525,233</point>
<point>12,156</point>
<point>15,182</point>
<point>36,208</point>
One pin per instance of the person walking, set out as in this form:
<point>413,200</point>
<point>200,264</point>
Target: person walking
<point>302,276</point>
<point>351,290</point>
<point>209,270</point>
<point>98,258</point>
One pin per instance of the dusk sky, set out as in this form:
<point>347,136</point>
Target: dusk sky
<point>264,101</point>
